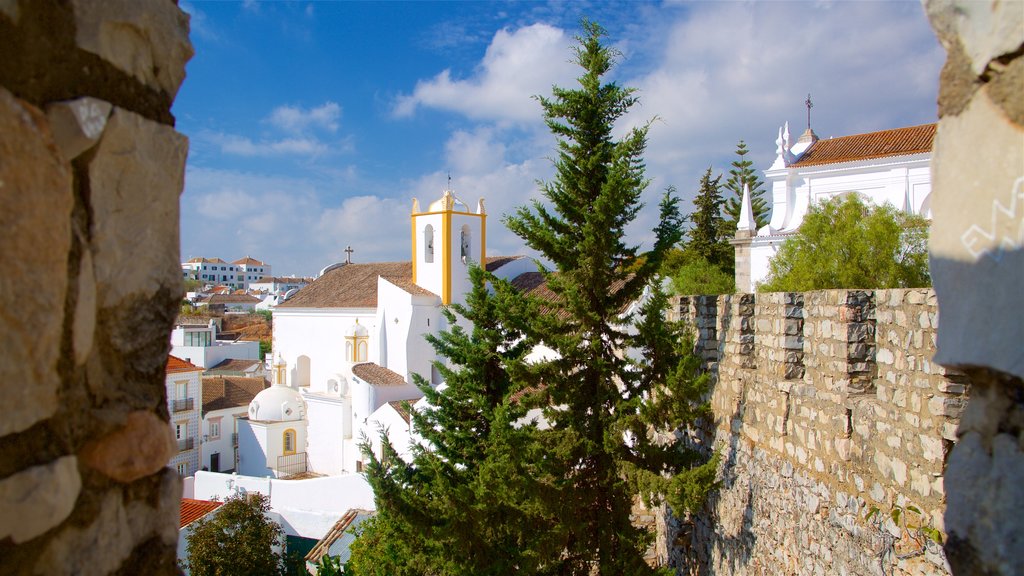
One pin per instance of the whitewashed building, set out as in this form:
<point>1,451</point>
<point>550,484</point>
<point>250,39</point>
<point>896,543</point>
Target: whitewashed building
<point>183,391</point>
<point>890,166</point>
<point>199,345</point>
<point>225,400</point>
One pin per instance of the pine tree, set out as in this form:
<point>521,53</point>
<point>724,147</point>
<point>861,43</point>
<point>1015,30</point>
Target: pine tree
<point>601,405</point>
<point>742,172</point>
<point>708,236</point>
<point>461,506</point>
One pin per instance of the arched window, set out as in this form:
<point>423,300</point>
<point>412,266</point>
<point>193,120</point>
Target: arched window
<point>467,240</point>
<point>349,355</point>
<point>361,350</point>
<point>428,243</point>
<point>289,441</point>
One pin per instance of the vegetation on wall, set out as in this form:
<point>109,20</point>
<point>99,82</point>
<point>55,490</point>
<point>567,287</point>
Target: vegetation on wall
<point>846,243</point>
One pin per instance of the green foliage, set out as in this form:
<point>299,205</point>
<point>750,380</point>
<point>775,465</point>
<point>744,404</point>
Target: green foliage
<point>844,243</point>
<point>329,566</point>
<point>592,397</point>
<point>265,348</point>
<point>708,237</point>
<point>267,316</point>
<point>191,285</point>
<point>238,539</point>
<point>742,172</point>
<point>698,276</point>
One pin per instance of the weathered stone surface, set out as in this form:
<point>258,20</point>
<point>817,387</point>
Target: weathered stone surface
<point>987,29</point>
<point>141,447</point>
<point>136,176</point>
<point>10,9</point>
<point>104,545</point>
<point>84,326</point>
<point>77,124</point>
<point>35,233</point>
<point>977,257</point>
<point>148,40</point>
<point>39,498</point>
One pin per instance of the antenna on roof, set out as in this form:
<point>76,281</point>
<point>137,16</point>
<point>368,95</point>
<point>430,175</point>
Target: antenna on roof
<point>809,105</point>
<point>449,180</point>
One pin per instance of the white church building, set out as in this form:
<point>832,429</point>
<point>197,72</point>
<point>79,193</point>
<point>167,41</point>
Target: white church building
<point>347,345</point>
<point>890,166</point>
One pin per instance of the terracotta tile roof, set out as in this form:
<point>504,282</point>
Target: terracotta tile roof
<point>176,365</point>
<point>349,286</point>
<point>216,261</point>
<point>397,405</point>
<point>412,288</point>
<point>233,299</point>
<point>232,365</point>
<point>895,142</point>
<point>249,261</point>
<point>377,375</point>
<point>495,262</point>
<point>221,392</point>
<point>192,510</point>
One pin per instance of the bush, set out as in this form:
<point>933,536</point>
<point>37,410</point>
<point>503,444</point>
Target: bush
<point>698,276</point>
<point>845,243</point>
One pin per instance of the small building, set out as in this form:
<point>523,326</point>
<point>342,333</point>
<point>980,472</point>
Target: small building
<point>225,400</point>
<point>272,437</point>
<point>183,380</point>
<point>199,345</point>
<point>250,270</point>
<point>238,367</point>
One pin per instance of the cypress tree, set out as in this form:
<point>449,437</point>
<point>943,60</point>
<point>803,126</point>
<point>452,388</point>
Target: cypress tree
<point>602,405</point>
<point>708,235</point>
<point>742,172</point>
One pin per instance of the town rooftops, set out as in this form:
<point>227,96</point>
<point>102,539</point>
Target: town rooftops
<point>233,367</point>
<point>176,365</point>
<point>221,392</point>
<point>232,299</point>
<point>894,142</point>
<point>192,510</point>
<point>377,375</point>
<point>248,261</point>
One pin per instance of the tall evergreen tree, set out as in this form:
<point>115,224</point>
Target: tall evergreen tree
<point>742,172</point>
<point>708,235</point>
<point>601,405</point>
<point>462,505</point>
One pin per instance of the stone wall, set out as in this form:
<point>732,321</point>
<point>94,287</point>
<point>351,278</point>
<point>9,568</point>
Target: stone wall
<point>977,264</point>
<point>831,419</point>
<point>90,173</point>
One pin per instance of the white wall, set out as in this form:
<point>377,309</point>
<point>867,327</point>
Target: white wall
<point>308,508</point>
<point>398,430</point>
<point>319,334</point>
<point>326,449</point>
<point>222,445</point>
<point>208,356</point>
<point>252,450</point>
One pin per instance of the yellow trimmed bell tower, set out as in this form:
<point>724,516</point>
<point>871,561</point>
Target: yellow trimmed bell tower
<point>446,238</point>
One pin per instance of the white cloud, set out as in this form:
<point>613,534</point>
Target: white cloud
<point>517,66</point>
<point>243,146</point>
<point>297,120</point>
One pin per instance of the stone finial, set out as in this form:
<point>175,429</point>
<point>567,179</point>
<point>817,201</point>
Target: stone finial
<point>780,143</point>
<point>415,205</point>
<point>480,207</point>
<point>786,142</point>
<point>746,219</point>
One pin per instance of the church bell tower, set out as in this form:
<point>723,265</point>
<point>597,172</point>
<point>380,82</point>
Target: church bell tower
<point>446,238</point>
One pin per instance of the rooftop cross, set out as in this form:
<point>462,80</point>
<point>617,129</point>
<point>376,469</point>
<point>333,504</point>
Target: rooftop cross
<point>809,106</point>
<point>348,255</point>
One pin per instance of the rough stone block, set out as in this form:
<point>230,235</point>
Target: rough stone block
<point>39,498</point>
<point>35,233</point>
<point>148,40</point>
<point>136,177</point>
<point>141,447</point>
<point>77,124</point>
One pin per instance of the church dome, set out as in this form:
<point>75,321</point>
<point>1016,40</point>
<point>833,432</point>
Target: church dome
<point>277,404</point>
<point>357,330</point>
<point>448,203</point>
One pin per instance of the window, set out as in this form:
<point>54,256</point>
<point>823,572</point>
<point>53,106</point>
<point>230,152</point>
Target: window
<point>289,441</point>
<point>182,469</point>
<point>215,429</point>
<point>180,430</point>
<point>466,240</point>
<point>361,351</point>
<point>428,243</point>
<point>181,389</point>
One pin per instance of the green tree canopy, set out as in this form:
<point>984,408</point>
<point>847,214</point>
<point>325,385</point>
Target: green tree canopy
<point>237,539</point>
<point>845,243</point>
<point>592,396</point>
<point>742,172</point>
<point>698,276</point>
<point>708,237</point>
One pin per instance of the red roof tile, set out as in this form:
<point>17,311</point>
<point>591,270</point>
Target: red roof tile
<point>175,365</point>
<point>249,261</point>
<point>192,510</point>
<point>377,375</point>
<point>895,142</point>
<point>398,406</point>
<point>230,391</point>
<point>348,286</point>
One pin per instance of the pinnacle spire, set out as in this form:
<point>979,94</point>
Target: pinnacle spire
<point>746,219</point>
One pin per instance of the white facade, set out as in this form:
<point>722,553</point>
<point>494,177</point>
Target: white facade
<point>214,271</point>
<point>796,182</point>
<point>184,393</point>
<point>199,345</point>
<point>218,447</point>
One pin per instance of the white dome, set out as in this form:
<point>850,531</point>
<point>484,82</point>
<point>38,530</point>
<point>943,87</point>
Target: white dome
<point>277,404</point>
<point>357,329</point>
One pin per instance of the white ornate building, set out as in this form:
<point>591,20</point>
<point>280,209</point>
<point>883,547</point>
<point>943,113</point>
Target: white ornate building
<point>890,166</point>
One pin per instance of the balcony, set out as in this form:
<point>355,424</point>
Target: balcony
<point>186,444</point>
<point>183,404</point>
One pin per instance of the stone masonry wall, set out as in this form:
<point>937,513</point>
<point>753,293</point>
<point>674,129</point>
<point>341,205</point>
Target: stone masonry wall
<point>90,173</point>
<point>830,415</point>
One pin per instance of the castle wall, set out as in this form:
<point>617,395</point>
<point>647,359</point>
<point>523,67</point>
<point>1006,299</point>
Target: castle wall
<point>90,173</point>
<point>829,415</point>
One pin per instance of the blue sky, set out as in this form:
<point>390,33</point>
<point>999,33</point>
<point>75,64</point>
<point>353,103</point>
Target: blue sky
<point>314,124</point>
